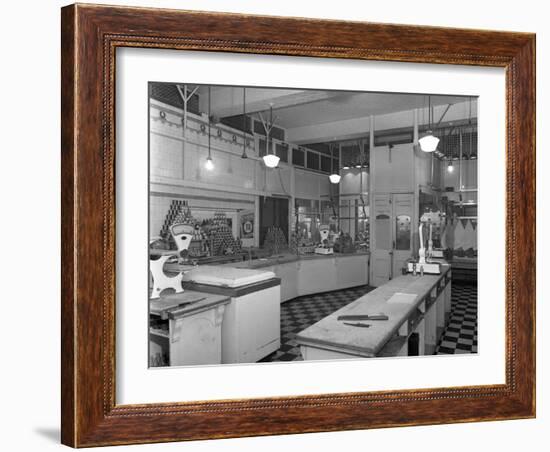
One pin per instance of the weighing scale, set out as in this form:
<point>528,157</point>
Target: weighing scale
<point>182,234</point>
<point>324,248</point>
<point>422,265</point>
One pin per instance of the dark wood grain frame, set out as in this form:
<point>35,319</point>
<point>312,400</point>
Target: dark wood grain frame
<point>90,35</point>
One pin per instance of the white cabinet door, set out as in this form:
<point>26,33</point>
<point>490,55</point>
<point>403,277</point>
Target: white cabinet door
<point>352,271</point>
<point>316,275</point>
<point>257,326</point>
<point>289,280</point>
<point>197,339</point>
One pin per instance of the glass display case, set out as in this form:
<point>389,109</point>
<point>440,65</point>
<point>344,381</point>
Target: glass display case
<point>354,220</point>
<point>308,219</point>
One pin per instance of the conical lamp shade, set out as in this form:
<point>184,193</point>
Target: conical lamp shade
<point>271,160</point>
<point>429,142</point>
<point>334,178</point>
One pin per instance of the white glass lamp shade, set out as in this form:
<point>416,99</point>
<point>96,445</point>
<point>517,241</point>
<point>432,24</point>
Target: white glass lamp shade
<point>450,167</point>
<point>209,165</point>
<point>271,160</point>
<point>429,142</point>
<point>334,178</point>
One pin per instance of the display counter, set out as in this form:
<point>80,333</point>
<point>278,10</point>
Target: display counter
<point>251,322</point>
<point>415,305</point>
<point>304,274</point>
<point>309,274</point>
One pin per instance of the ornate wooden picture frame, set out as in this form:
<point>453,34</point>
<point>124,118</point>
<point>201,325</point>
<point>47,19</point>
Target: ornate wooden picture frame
<point>90,37</point>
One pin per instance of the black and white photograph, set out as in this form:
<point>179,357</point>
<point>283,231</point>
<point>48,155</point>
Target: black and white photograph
<point>268,226</point>
<point>292,224</point>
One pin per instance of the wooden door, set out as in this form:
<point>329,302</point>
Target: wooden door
<point>391,236</point>
<point>403,221</point>
<point>381,239</point>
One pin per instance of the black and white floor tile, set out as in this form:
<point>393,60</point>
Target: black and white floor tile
<point>460,335</point>
<point>298,314</point>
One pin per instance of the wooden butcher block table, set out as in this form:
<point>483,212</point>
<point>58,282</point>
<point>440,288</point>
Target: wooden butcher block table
<point>412,304</point>
<point>194,321</point>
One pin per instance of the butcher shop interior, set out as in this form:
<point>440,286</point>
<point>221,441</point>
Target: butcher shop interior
<point>290,224</point>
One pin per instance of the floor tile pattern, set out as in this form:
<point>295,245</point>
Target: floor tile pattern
<point>459,336</point>
<point>298,314</point>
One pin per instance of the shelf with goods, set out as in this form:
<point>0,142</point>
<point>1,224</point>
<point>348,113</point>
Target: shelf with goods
<point>212,241</point>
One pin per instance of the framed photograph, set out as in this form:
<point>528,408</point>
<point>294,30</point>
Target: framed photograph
<point>281,225</point>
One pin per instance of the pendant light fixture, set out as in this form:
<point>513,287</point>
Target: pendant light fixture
<point>270,160</point>
<point>450,167</point>
<point>361,158</point>
<point>209,165</point>
<point>334,177</point>
<point>429,142</point>
<point>473,153</point>
<point>244,156</point>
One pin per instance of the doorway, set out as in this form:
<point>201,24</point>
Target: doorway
<point>392,235</point>
<point>273,212</point>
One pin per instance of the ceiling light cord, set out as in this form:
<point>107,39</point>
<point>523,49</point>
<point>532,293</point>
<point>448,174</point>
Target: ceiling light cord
<point>244,156</point>
<point>270,160</point>
<point>334,177</point>
<point>209,163</point>
<point>429,142</point>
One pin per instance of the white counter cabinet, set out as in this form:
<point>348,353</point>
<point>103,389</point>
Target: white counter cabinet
<point>315,275</point>
<point>352,271</point>
<point>288,273</point>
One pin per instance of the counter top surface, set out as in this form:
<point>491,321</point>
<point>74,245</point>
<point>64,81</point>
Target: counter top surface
<point>288,257</point>
<point>266,262</point>
<point>227,275</point>
<point>368,341</point>
<point>183,304</point>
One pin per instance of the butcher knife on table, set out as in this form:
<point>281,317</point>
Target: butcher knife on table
<point>363,317</point>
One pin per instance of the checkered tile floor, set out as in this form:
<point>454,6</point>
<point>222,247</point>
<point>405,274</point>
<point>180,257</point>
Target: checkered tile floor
<point>460,336</point>
<point>298,314</point>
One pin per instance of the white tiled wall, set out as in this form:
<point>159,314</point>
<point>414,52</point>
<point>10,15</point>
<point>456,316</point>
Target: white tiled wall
<point>177,169</point>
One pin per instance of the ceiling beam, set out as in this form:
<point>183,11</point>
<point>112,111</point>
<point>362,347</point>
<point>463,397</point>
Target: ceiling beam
<point>359,127</point>
<point>227,101</point>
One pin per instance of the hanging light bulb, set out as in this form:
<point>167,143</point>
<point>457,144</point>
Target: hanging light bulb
<point>209,165</point>
<point>334,177</point>
<point>450,167</point>
<point>270,160</point>
<point>429,142</point>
